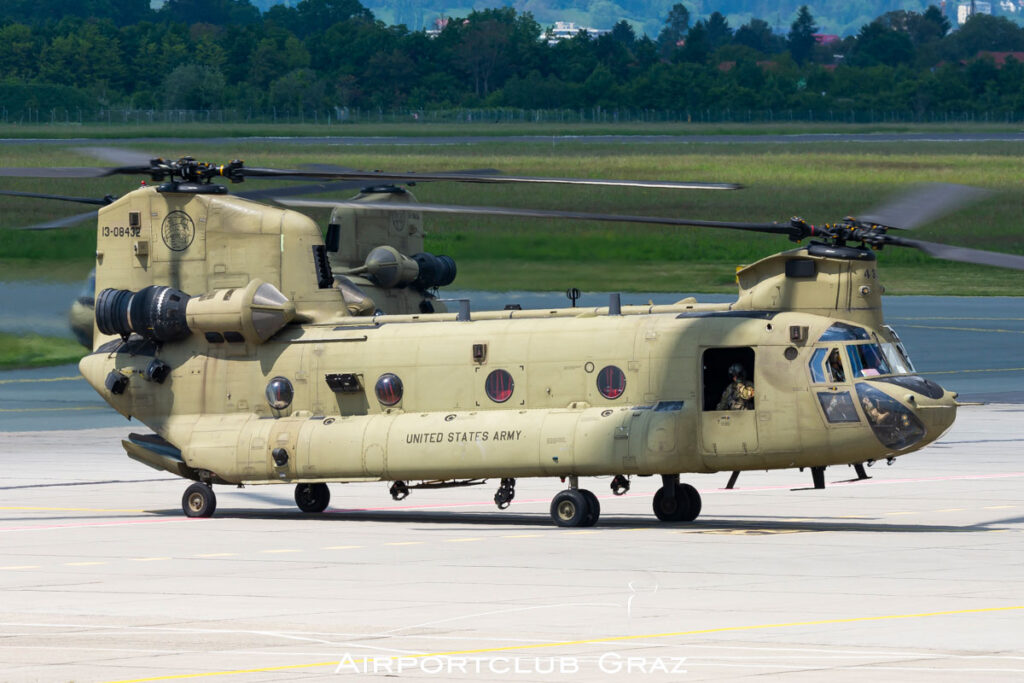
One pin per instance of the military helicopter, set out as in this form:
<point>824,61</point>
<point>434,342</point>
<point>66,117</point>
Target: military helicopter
<point>219,327</point>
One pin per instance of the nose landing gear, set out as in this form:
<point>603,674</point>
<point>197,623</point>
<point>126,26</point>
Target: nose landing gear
<point>675,502</point>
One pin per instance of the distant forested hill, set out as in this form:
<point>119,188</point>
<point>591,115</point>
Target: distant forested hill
<point>648,16</point>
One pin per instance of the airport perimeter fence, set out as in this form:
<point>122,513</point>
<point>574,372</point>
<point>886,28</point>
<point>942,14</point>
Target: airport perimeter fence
<point>591,115</point>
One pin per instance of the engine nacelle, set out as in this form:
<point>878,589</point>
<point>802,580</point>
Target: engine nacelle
<point>252,314</point>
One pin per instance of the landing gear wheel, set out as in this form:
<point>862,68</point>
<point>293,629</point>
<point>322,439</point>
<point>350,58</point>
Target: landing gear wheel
<point>199,501</point>
<point>312,497</point>
<point>693,503</point>
<point>593,508</point>
<point>684,506</point>
<point>570,508</point>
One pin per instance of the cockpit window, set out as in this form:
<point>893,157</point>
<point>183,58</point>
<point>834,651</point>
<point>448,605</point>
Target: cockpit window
<point>896,353</point>
<point>817,366</point>
<point>899,363</point>
<point>867,360</point>
<point>838,407</point>
<point>894,425</point>
<point>827,366</point>
<point>844,332</point>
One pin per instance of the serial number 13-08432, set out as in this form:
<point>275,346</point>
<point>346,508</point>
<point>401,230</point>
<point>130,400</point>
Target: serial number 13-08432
<point>121,231</point>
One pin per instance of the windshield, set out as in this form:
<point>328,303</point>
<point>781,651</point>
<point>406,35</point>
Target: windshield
<point>899,363</point>
<point>867,360</point>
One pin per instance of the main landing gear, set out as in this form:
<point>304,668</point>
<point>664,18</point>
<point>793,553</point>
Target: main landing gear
<point>199,500</point>
<point>575,506</point>
<point>312,497</point>
<point>675,502</point>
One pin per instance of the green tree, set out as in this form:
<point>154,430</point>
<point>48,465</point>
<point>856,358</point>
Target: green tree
<point>19,56</point>
<point>757,35</point>
<point>698,45</point>
<point>623,33</point>
<point>985,32</point>
<point>877,44</point>
<point>719,31</point>
<point>217,12</point>
<point>193,86</point>
<point>676,25</point>
<point>801,36</point>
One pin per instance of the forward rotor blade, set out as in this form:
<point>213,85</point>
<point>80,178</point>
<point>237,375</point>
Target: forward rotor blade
<point>923,204</point>
<point>59,197</point>
<point>951,253</point>
<point>58,223</point>
<point>380,177</point>
<point>330,168</point>
<point>56,172</point>
<point>774,228</point>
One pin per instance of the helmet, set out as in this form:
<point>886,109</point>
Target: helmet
<point>736,370</point>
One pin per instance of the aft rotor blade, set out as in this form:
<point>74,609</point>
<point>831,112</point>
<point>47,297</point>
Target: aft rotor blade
<point>36,195</point>
<point>58,223</point>
<point>774,228</point>
<point>298,190</point>
<point>116,155</point>
<point>336,186</point>
<point>380,177</point>
<point>923,204</point>
<point>951,253</point>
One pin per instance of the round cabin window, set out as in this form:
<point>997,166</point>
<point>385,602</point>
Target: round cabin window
<point>280,393</point>
<point>499,386</point>
<point>611,382</point>
<point>388,389</point>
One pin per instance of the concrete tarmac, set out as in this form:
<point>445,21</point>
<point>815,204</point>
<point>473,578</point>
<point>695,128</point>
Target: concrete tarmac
<point>915,574</point>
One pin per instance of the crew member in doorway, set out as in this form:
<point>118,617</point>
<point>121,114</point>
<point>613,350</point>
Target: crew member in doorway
<point>739,395</point>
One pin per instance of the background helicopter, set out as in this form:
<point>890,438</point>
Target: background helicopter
<point>650,410</point>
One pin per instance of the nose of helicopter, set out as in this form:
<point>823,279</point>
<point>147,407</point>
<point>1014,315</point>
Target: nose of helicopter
<point>937,414</point>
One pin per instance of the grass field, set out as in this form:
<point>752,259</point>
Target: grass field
<point>100,131</point>
<point>821,182</point>
<point>32,351</point>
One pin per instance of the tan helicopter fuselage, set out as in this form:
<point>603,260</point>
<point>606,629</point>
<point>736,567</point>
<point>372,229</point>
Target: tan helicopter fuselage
<point>501,394</point>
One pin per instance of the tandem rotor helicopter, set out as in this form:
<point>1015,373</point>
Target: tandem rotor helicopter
<point>220,326</point>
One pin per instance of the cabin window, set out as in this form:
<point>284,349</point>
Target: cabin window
<point>867,360</point>
<point>838,407</point>
<point>499,386</point>
<point>280,393</point>
<point>721,391</point>
<point>388,389</point>
<point>844,332</point>
<point>611,382</point>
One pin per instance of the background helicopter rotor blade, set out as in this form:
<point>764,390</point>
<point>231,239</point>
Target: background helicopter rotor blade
<point>774,228</point>
<point>59,223</point>
<point>964,254</point>
<point>64,198</point>
<point>59,172</point>
<point>923,204</point>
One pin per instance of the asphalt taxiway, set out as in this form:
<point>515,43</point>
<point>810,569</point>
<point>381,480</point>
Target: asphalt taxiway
<point>915,574</point>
